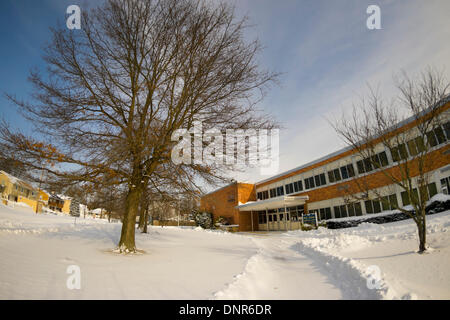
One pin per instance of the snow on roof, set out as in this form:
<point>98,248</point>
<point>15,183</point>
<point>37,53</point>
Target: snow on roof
<point>15,180</point>
<point>63,197</point>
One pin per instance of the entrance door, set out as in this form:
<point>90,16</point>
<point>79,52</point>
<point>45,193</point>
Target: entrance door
<point>270,222</point>
<point>288,221</point>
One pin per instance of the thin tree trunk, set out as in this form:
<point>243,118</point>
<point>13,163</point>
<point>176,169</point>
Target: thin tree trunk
<point>145,220</point>
<point>422,235</point>
<point>141,219</point>
<point>127,242</point>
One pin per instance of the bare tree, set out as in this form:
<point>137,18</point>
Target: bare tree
<point>376,127</point>
<point>116,90</point>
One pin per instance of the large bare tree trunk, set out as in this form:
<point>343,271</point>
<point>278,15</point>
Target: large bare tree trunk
<point>127,243</point>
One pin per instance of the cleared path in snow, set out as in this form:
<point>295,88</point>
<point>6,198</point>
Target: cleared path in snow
<point>278,272</point>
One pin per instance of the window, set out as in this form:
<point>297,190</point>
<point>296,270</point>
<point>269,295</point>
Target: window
<point>309,183</point>
<point>367,165</point>
<point>432,190</point>
<point>436,136</point>
<point>405,197</point>
<point>389,202</point>
<point>372,206</point>
<point>376,161</point>
<point>412,148</point>
<point>328,213</point>
<point>331,176</point>
<point>319,180</point>
<point>383,159</point>
<point>344,173</point>
<point>351,209</point>
<point>263,195</point>
<point>270,218</point>
<point>289,188</point>
<point>280,191</point>
<point>360,167</point>
<point>343,210</point>
<point>369,206</point>
<point>358,209</point>
<point>439,135</point>
<point>323,181</point>
<point>262,218</point>
<point>399,153</point>
<point>445,185</point>
<point>273,193</point>
<point>376,206</point>
<point>337,212</point>
<point>431,138</point>
<point>293,213</point>
<point>447,130</point>
<point>322,214</point>
<point>298,186</point>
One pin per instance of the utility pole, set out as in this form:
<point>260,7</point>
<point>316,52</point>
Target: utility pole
<point>39,192</point>
<point>179,212</point>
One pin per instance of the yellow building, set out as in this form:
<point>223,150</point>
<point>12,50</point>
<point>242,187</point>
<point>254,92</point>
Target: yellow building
<point>44,196</point>
<point>16,190</point>
<point>66,206</point>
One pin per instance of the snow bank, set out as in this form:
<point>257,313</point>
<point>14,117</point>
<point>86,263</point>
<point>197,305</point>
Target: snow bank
<point>350,254</point>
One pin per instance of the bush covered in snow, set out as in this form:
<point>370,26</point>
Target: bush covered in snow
<point>438,203</point>
<point>204,220</point>
<point>221,221</point>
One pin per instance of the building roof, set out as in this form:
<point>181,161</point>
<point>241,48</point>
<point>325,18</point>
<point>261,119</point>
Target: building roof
<point>15,180</point>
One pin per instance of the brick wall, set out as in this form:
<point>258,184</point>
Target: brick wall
<point>222,202</point>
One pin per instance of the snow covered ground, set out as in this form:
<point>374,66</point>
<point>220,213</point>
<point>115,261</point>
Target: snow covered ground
<point>188,263</point>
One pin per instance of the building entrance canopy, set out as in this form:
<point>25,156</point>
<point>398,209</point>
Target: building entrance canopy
<point>273,203</point>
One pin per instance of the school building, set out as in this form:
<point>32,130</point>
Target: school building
<point>322,186</point>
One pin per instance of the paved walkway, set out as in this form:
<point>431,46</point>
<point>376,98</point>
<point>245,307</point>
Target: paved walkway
<point>278,272</point>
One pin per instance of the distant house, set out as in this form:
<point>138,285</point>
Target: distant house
<point>16,190</point>
<point>44,196</point>
<point>99,213</point>
<point>67,202</point>
<point>55,203</point>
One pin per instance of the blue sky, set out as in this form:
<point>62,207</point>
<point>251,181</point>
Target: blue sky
<point>323,47</point>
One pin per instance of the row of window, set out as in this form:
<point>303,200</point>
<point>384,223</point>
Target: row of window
<point>341,173</point>
<point>386,203</point>
<point>414,146</point>
<point>23,190</point>
<point>378,160</point>
<point>428,192</point>
<point>315,181</point>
